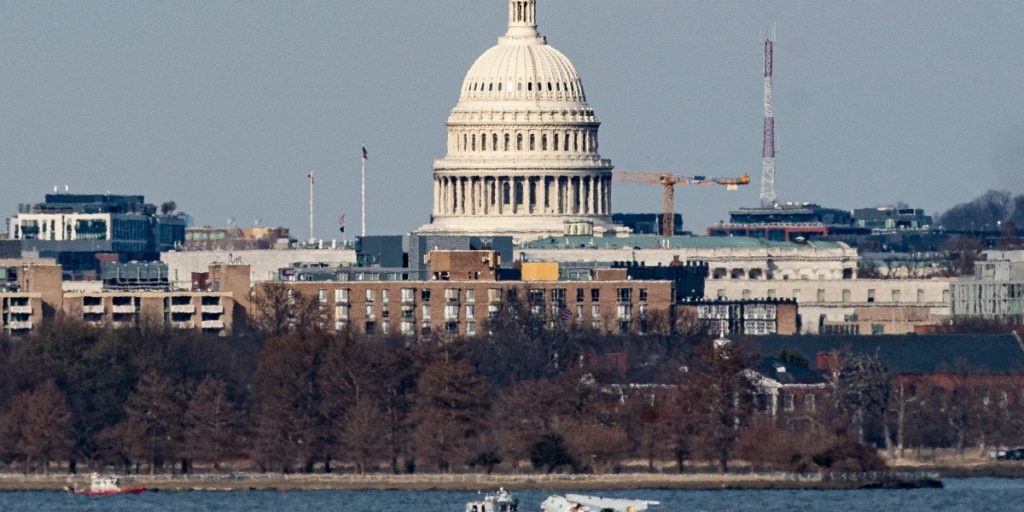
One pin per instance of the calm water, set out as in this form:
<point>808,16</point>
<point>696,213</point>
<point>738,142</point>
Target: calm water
<point>980,494</point>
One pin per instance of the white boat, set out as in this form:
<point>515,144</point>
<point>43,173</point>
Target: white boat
<point>501,501</point>
<point>580,503</point>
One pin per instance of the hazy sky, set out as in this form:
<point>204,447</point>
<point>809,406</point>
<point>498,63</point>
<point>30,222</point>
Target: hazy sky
<point>226,106</point>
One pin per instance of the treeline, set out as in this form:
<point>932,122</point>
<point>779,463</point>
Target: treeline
<point>990,211</point>
<point>531,394</point>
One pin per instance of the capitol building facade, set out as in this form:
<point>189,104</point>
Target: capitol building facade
<point>522,156</point>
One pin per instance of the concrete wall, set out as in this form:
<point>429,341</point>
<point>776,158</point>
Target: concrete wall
<point>263,264</point>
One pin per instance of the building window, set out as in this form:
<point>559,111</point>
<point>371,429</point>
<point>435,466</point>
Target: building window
<point>821,295</point>
<point>471,328</point>
<point>625,311</point>
<point>579,294</point>
<point>371,312</point>
<point>494,295</point>
<point>595,294</point>
<point>451,312</point>
<point>426,312</point>
<point>920,296</point>
<point>558,298</point>
<point>425,295</point>
<point>771,293</point>
<point>871,295</point>
<point>385,295</point>
<point>809,402</point>
<point>371,295</point>
<point>470,296</point>
<point>408,295</point>
<point>846,295</point>
<point>895,296</point>
<point>451,294</point>
<point>408,328</point>
<point>643,294</point>
<point>945,295</point>
<point>788,402</point>
<point>469,312</point>
<point>746,294</point>
<point>341,312</point>
<point>321,295</point>
<point>624,294</point>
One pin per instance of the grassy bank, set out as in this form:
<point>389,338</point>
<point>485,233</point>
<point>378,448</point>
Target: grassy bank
<point>470,482</point>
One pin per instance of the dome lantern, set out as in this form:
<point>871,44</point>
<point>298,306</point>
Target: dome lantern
<point>522,20</point>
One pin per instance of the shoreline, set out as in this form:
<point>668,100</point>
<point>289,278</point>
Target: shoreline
<point>481,482</point>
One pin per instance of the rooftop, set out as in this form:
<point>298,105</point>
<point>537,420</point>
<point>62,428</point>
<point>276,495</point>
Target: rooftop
<point>674,242</point>
<point>911,354</point>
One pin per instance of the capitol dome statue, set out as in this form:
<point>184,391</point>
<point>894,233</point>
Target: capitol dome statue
<point>522,145</point>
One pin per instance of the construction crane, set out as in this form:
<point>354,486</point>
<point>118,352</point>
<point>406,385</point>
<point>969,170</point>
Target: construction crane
<point>669,181</point>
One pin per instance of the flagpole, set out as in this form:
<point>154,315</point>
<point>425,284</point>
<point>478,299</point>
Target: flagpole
<point>311,206</point>
<point>363,217</point>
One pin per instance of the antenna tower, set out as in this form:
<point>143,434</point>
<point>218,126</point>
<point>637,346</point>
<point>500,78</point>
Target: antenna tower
<point>768,198</point>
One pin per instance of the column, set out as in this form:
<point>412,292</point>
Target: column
<point>606,193</point>
<point>542,184</point>
<point>553,195</point>
<point>499,194</point>
<point>434,208</point>
<point>574,203</point>
<point>527,194</point>
<point>462,197</point>
<point>593,195</point>
<point>449,198</point>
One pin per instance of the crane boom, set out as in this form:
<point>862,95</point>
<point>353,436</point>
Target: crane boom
<point>669,181</point>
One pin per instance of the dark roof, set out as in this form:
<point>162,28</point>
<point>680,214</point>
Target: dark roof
<point>788,373</point>
<point>910,353</point>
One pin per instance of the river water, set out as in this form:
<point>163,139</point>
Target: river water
<point>978,494</point>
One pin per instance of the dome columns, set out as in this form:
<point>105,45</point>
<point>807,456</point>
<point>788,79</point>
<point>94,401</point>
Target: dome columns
<point>522,18</point>
<point>522,195</point>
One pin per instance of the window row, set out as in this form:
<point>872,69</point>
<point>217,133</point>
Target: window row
<point>576,141</point>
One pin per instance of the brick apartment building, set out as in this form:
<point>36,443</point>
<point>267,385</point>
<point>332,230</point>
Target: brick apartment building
<point>464,290</point>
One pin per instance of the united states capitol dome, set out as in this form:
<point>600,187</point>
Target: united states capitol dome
<point>522,68</point>
<point>522,148</point>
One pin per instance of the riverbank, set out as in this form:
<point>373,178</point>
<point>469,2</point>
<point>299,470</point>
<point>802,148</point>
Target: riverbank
<point>480,482</point>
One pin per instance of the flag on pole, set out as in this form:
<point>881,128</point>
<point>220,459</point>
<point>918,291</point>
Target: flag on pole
<point>366,155</point>
<point>341,223</point>
<point>311,178</point>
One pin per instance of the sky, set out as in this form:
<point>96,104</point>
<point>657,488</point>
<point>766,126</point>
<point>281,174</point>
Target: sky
<point>225,107</point>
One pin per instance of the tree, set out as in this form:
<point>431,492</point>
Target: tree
<point>211,424</point>
<point>278,309</point>
<point>154,424</point>
<point>362,432</point>
<point>982,213</point>
<point>39,422</point>
<point>168,207</point>
<point>289,426</point>
<point>862,391</point>
<point>724,398</point>
<point>449,412</point>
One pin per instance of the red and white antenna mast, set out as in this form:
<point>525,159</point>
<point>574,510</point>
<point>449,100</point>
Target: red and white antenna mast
<point>768,198</point>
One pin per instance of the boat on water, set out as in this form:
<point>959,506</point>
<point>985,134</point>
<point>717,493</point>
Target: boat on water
<point>105,486</point>
<point>501,501</point>
<point>581,503</point>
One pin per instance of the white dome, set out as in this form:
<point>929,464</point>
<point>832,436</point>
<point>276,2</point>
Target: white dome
<point>522,144</point>
<point>522,70</point>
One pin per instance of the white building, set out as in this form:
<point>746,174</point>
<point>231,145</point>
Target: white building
<point>522,154</point>
<point>995,291</point>
<point>729,258</point>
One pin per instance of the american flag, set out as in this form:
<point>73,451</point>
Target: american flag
<point>565,314</point>
<point>366,156</point>
<point>341,223</point>
<point>311,178</point>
